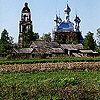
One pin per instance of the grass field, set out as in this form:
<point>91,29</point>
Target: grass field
<point>37,60</point>
<point>59,84</point>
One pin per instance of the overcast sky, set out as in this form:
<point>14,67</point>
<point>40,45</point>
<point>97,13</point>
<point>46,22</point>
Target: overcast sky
<point>43,13</point>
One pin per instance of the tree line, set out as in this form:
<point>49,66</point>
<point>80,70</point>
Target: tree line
<point>7,43</point>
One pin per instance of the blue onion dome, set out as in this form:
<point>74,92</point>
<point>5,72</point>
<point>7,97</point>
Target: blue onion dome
<point>26,8</point>
<point>66,26</point>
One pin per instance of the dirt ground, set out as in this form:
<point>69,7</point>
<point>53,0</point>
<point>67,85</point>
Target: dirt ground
<point>95,66</point>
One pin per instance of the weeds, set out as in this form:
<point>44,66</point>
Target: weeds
<point>60,84</point>
<point>46,60</point>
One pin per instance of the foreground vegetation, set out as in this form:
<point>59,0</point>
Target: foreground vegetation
<point>37,60</point>
<point>59,84</point>
<point>45,83</point>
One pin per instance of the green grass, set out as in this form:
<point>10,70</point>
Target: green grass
<point>43,85</point>
<point>57,77</point>
<point>36,60</point>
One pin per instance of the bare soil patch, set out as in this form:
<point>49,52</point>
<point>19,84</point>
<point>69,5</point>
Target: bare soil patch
<point>95,66</point>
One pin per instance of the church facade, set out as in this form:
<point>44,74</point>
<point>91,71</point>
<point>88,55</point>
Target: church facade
<point>65,31</point>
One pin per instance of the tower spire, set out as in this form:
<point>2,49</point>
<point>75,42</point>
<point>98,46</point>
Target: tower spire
<point>67,11</point>
<point>77,21</point>
<point>59,18</point>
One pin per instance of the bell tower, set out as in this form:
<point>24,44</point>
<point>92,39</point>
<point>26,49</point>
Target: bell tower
<point>25,25</point>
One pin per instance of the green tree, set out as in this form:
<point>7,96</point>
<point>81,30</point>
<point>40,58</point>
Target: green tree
<point>72,42</point>
<point>46,37</point>
<point>15,45</point>
<point>28,37</point>
<point>98,40</point>
<point>59,39</point>
<point>98,36</point>
<point>89,42</point>
<point>6,42</point>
